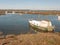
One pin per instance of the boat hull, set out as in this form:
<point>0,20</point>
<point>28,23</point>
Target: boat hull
<point>38,28</point>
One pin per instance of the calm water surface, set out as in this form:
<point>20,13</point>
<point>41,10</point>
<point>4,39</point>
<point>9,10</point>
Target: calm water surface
<point>16,24</point>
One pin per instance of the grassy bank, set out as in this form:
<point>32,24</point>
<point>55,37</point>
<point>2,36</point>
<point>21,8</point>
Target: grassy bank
<point>31,39</point>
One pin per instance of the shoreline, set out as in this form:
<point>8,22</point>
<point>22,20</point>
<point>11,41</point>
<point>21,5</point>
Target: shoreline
<point>44,12</point>
<point>31,39</point>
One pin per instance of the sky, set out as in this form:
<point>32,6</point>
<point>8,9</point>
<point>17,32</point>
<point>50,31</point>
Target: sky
<point>30,4</point>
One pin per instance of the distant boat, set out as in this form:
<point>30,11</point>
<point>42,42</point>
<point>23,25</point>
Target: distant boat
<point>21,14</point>
<point>58,17</point>
<point>43,25</point>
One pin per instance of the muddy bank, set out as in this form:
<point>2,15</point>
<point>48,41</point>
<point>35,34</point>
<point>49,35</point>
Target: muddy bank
<point>31,39</point>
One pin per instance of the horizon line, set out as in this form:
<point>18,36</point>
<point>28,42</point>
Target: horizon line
<point>28,9</point>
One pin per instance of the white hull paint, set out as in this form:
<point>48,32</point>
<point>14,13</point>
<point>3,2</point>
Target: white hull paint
<point>43,25</point>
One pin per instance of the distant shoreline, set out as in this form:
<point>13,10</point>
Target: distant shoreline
<point>44,12</point>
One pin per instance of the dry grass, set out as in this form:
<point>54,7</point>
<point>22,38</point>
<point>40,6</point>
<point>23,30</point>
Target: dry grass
<point>32,39</point>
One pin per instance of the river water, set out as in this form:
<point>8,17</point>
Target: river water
<point>16,23</point>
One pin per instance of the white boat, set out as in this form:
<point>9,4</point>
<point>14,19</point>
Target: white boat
<point>58,17</point>
<point>43,25</point>
<point>21,14</point>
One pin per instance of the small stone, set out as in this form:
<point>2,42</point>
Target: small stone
<point>10,36</point>
<point>1,33</point>
<point>2,37</point>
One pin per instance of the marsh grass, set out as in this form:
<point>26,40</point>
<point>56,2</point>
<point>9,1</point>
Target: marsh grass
<point>32,39</point>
